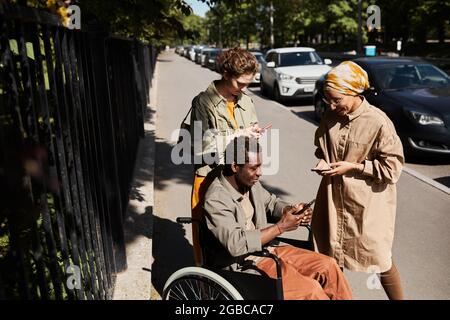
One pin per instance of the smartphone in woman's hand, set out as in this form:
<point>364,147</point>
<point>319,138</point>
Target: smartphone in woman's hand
<point>322,166</point>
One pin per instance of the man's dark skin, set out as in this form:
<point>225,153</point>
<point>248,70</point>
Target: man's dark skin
<point>245,176</point>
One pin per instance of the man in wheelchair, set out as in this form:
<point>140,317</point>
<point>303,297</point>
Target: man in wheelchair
<point>237,208</point>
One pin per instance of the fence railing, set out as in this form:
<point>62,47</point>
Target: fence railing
<point>72,105</point>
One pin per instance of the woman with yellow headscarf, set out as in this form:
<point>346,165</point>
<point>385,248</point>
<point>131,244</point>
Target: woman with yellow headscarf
<point>360,159</point>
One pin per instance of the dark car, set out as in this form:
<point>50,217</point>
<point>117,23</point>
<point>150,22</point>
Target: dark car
<point>414,94</point>
<point>210,58</point>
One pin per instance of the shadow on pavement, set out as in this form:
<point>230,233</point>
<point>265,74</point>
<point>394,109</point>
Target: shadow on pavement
<point>166,171</point>
<point>444,180</point>
<point>275,190</point>
<point>149,115</point>
<point>137,219</point>
<point>164,60</point>
<point>176,253</point>
<point>307,115</point>
<point>299,102</point>
<point>137,224</point>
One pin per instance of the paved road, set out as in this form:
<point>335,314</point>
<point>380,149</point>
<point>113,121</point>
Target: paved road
<point>421,248</point>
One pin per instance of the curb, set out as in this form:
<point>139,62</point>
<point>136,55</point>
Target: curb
<point>427,180</point>
<point>154,295</point>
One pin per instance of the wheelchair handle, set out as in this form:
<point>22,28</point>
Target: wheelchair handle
<point>186,220</point>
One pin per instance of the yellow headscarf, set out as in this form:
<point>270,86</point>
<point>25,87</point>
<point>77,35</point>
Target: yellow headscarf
<point>347,78</point>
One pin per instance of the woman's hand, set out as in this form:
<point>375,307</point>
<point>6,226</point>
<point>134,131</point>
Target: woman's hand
<point>322,166</point>
<point>341,168</point>
<point>254,131</point>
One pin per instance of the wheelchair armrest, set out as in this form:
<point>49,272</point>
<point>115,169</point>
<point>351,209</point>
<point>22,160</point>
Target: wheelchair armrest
<point>305,244</point>
<point>279,283</point>
<point>266,254</point>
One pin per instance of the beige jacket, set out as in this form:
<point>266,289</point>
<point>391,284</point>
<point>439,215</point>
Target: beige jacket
<point>209,108</point>
<point>354,215</point>
<point>228,242</point>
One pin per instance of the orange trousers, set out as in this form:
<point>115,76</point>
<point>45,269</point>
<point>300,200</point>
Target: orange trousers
<point>308,275</point>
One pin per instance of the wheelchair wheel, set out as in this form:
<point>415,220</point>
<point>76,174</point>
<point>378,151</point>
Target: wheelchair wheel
<point>194,283</point>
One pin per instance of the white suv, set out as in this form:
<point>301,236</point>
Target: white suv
<point>292,72</point>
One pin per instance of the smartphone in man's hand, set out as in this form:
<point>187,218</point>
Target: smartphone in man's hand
<point>306,206</point>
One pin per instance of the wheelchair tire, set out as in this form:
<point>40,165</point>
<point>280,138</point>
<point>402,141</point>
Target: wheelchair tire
<point>194,283</point>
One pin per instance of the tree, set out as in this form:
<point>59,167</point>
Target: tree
<point>194,29</point>
<point>147,20</point>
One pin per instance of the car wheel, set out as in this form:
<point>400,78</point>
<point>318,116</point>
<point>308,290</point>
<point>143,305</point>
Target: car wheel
<point>262,87</point>
<point>276,93</point>
<point>319,109</point>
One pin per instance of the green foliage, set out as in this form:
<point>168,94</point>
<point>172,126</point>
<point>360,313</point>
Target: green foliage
<point>148,20</point>
<point>296,22</point>
<point>194,29</point>
<point>303,22</point>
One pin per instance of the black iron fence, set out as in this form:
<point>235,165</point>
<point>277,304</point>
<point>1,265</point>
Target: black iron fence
<point>71,115</point>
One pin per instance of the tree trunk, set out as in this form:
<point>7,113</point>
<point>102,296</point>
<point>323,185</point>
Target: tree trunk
<point>441,32</point>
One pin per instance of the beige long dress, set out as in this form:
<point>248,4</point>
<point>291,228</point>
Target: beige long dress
<point>354,215</point>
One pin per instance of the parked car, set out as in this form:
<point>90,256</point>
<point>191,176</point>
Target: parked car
<point>180,50</point>
<point>260,57</point>
<point>201,59</point>
<point>186,51</point>
<point>198,54</point>
<point>414,94</point>
<point>210,58</point>
<point>192,52</point>
<point>291,72</point>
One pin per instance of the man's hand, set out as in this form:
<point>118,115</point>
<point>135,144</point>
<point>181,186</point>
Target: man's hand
<point>305,216</point>
<point>341,168</point>
<point>290,221</point>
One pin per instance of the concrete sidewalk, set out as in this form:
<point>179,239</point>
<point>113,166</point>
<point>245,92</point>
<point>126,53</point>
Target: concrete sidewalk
<point>135,282</point>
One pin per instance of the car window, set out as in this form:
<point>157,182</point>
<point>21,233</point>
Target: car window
<point>431,75</point>
<point>259,57</point>
<point>270,57</point>
<point>395,76</point>
<point>299,58</point>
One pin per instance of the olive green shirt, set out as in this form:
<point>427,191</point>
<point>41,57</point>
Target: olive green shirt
<point>209,109</point>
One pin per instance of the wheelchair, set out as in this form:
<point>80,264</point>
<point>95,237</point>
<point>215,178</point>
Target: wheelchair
<point>207,283</point>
